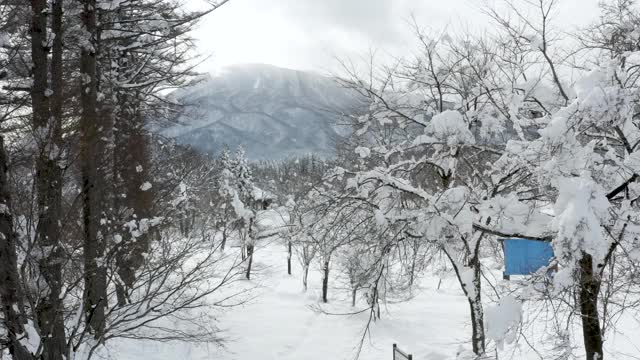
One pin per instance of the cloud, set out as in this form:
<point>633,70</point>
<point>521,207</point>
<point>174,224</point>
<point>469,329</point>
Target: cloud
<point>368,18</point>
<point>309,34</point>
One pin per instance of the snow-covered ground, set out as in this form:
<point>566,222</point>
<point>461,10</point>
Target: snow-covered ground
<point>281,322</point>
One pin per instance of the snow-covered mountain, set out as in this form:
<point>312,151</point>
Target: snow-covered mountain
<point>273,112</point>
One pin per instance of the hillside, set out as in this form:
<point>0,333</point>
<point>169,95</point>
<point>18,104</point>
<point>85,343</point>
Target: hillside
<point>273,112</point>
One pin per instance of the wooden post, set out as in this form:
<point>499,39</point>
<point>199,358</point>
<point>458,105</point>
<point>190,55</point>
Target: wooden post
<point>404,356</point>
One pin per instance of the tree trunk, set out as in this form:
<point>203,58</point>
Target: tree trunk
<point>289,258</point>
<point>224,237</point>
<point>473,292</point>
<point>412,271</point>
<point>589,289</point>
<point>10,292</point>
<point>414,258</point>
<point>477,315</point>
<point>325,280</point>
<point>305,276</point>
<point>90,158</point>
<point>250,246</point>
<point>46,124</point>
<point>478,337</point>
<point>474,298</point>
<point>132,167</point>
<point>243,244</point>
<point>121,294</point>
<point>250,257</point>
<point>353,296</point>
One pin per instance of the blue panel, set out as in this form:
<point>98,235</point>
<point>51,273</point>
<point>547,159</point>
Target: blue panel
<point>524,257</point>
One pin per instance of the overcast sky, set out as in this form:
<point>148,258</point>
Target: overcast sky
<point>309,34</point>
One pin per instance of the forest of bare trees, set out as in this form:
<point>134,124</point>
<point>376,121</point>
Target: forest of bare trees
<point>93,204</point>
<point>110,230</point>
<point>521,133</point>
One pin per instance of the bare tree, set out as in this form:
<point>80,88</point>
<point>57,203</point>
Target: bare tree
<point>10,292</point>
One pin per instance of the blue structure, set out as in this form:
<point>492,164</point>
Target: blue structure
<point>524,257</point>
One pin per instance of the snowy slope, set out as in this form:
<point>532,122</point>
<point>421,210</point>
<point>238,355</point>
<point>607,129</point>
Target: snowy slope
<point>281,322</point>
<point>273,112</point>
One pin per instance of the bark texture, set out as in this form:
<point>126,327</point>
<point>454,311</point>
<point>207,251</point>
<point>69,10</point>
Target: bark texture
<point>589,289</point>
<point>47,125</point>
<point>90,144</point>
<point>325,281</point>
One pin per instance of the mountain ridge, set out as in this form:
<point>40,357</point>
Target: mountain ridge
<point>273,112</point>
